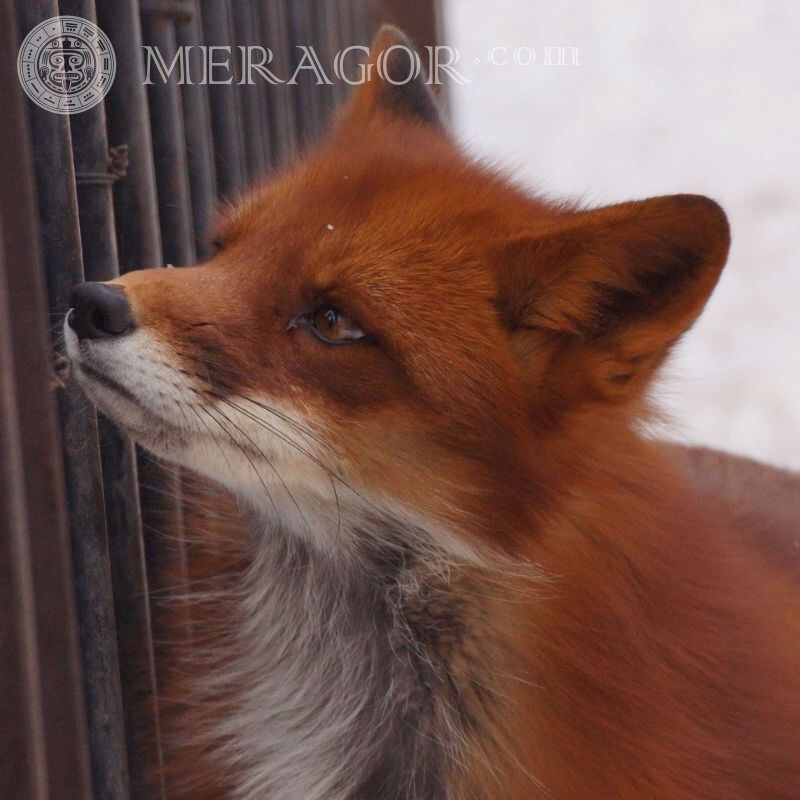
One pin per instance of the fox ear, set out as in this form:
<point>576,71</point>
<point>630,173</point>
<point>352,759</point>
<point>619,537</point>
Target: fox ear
<point>595,303</point>
<point>395,83</point>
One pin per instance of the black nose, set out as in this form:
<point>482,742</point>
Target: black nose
<point>99,311</point>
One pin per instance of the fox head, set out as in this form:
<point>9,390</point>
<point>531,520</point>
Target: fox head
<point>390,328</point>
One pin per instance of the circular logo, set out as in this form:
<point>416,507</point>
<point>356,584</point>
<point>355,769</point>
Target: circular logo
<point>66,65</point>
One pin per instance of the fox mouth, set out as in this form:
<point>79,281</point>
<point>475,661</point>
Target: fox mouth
<point>117,401</point>
<point>103,379</point>
<point>123,407</point>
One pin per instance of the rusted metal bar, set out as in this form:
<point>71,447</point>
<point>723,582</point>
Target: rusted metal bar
<point>138,239</point>
<point>224,98</point>
<point>54,742</point>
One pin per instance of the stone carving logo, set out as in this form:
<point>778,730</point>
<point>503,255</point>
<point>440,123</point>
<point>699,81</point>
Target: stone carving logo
<point>66,65</point>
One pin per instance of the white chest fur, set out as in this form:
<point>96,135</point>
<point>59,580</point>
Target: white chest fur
<point>335,682</point>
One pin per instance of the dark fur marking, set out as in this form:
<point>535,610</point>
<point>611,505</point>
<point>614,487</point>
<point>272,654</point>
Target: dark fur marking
<point>655,289</point>
<point>406,97</point>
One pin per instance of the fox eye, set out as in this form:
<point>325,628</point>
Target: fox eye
<point>331,325</point>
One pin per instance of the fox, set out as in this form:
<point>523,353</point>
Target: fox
<point>446,557</point>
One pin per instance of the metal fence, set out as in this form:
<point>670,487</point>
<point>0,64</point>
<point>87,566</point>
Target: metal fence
<point>130,183</point>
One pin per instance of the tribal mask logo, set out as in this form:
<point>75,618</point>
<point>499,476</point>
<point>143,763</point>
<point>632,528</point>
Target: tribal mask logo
<point>66,65</point>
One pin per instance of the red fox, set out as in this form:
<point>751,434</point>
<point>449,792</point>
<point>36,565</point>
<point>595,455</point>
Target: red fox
<point>459,568</point>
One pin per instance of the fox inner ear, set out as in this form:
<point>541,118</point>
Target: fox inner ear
<point>595,304</point>
<point>396,82</point>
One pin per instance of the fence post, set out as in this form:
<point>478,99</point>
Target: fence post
<point>197,125</point>
<point>51,753</point>
<point>255,132</point>
<point>281,117</point>
<point>160,490</point>
<point>138,240</point>
<point>224,100</point>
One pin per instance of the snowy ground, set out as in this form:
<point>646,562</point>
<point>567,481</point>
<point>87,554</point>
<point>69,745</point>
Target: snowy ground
<point>679,96</point>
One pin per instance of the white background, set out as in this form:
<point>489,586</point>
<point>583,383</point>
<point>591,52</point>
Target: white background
<point>679,96</point>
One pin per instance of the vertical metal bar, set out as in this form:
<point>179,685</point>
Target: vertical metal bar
<point>356,13</point>
<point>279,107</point>
<point>160,488</point>
<point>366,19</point>
<point>23,768</point>
<point>128,119</point>
<point>59,679</point>
<point>199,144</point>
<point>224,100</point>
<point>344,9</point>
<point>138,240</point>
<point>264,87</point>
<point>254,130</point>
<point>325,36</point>
<point>133,619</point>
<point>307,95</point>
<point>93,178</point>
<point>101,660</point>
<point>169,150</point>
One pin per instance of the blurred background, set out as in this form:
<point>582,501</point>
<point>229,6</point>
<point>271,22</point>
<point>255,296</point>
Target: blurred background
<point>666,98</point>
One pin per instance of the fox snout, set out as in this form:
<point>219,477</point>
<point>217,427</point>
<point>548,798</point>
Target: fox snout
<point>99,311</point>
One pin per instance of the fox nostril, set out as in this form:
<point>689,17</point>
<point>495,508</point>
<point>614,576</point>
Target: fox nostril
<point>99,310</point>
